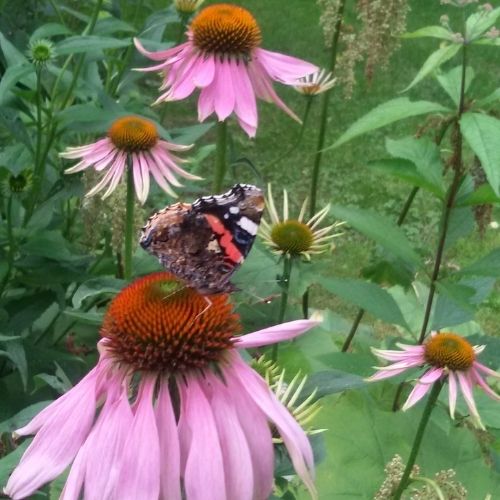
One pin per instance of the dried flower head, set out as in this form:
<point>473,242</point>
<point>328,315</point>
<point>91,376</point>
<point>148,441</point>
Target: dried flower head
<point>315,84</point>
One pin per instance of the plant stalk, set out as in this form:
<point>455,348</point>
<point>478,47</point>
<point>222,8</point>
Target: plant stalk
<point>285,289</point>
<point>10,253</point>
<point>129,221</point>
<point>220,156</point>
<point>324,111</point>
<point>436,389</point>
<point>450,201</point>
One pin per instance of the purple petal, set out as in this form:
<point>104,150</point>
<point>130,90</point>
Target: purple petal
<point>224,97</point>
<point>452,393</point>
<point>430,376</point>
<point>283,68</point>
<point>486,370</point>
<point>466,388</point>
<point>162,54</point>
<point>418,392</point>
<point>484,386</point>
<point>206,72</point>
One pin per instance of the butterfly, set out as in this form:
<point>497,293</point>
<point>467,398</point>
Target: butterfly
<point>204,242</point>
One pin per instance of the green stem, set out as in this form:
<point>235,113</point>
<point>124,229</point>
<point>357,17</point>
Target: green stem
<point>129,221</point>
<point>450,201</point>
<point>221,156</point>
<point>184,18</point>
<point>436,389</point>
<point>10,254</point>
<point>285,289</point>
<point>324,111</point>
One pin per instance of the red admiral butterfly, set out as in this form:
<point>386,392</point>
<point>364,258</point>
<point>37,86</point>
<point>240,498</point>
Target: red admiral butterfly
<point>203,243</point>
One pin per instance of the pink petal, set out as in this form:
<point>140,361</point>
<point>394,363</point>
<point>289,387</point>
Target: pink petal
<point>204,472</point>
<point>138,178</point>
<point>184,85</point>
<point>139,475</point>
<point>486,388</point>
<point>80,151</point>
<point>452,393</point>
<point>238,467</point>
<point>418,392</point>
<point>56,442</point>
<point>383,374</point>
<point>170,486</point>
<point>206,105</point>
<point>486,370</point>
<point>224,98</point>
<point>283,68</point>
<point>293,436</point>
<point>259,439</point>
<point>246,105</point>
<point>206,72</point>
<point>274,334</point>
<point>118,169</point>
<point>466,388</point>
<point>430,376</point>
<point>162,54</point>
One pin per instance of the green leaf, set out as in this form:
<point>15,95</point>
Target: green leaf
<point>479,22</point>
<point>14,351</point>
<point>488,265</point>
<point>13,56</point>
<point>430,32</point>
<point>379,229</point>
<point>12,76</point>
<point>368,296</point>
<point>434,61</point>
<point>95,287</point>
<point>426,156</point>
<point>490,99</point>
<point>451,82</point>
<point>87,43</point>
<point>482,133</point>
<point>9,462</point>
<point>23,417</point>
<point>331,382</point>
<point>87,318</point>
<point>49,244</point>
<point>49,30</point>
<point>483,195</point>
<point>387,113</point>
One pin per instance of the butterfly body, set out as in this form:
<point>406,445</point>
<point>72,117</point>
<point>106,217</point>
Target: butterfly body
<point>203,243</point>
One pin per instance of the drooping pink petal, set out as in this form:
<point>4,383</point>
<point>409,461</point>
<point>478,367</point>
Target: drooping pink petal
<point>414,349</point>
<point>138,178</point>
<point>204,470</point>
<point>206,104</point>
<point>430,376</point>
<point>170,474</point>
<point>452,393</point>
<point>293,436</point>
<point>246,104</point>
<point>139,475</point>
<point>391,355</point>
<point>80,151</point>
<point>57,440</point>
<point>184,85</point>
<point>383,374</point>
<point>236,456</point>
<point>258,434</point>
<point>283,68</point>
<point>274,334</point>
<point>224,95</point>
<point>466,388</point>
<point>106,179</point>
<point>158,158</point>
<point>206,71</point>
<point>118,169</point>
<point>486,370</point>
<point>418,392</point>
<point>158,176</point>
<point>484,386</point>
<point>161,55</point>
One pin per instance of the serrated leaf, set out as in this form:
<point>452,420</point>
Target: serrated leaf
<point>451,82</point>
<point>387,113</point>
<point>481,133</point>
<point>430,32</point>
<point>434,61</point>
<point>368,296</point>
<point>380,229</point>
<point>87,43</point>
<point>479,22</point>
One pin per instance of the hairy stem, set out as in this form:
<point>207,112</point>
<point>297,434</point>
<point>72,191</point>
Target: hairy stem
<point>129,220</point>
<point>221,156</point>
<point>324,111</point>
<point>436,389</point>
<point>285,289</point>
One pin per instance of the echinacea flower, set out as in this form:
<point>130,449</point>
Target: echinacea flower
<point>187,6</point>
<point>315,84</point>
<point>171,411</point>
<point>41,52</point>
<point>223,58</point>
<point>445,356</point>
<point>135,140</point>
<point>293,237</point>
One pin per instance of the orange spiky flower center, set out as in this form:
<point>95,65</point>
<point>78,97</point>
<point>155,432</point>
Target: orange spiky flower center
<point>451,351</point>
<point>226,29</point>
<point>157,324</point>
<point>292,237</point>
<point>132,134</point>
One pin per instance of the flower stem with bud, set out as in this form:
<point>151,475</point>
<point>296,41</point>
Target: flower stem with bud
<point>129,221</point>
<point>220,156</point>
<point>433,396</point>
<point>285,289</point>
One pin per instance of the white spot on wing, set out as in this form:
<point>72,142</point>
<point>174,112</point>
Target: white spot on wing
<point>249,226</point>
<point>234,210</point>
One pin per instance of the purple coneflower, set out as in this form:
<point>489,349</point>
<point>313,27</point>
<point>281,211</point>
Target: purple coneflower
<point>138,139</point>
<point>444,355</point>
<point>223,58</point>
<point>171,410</point>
